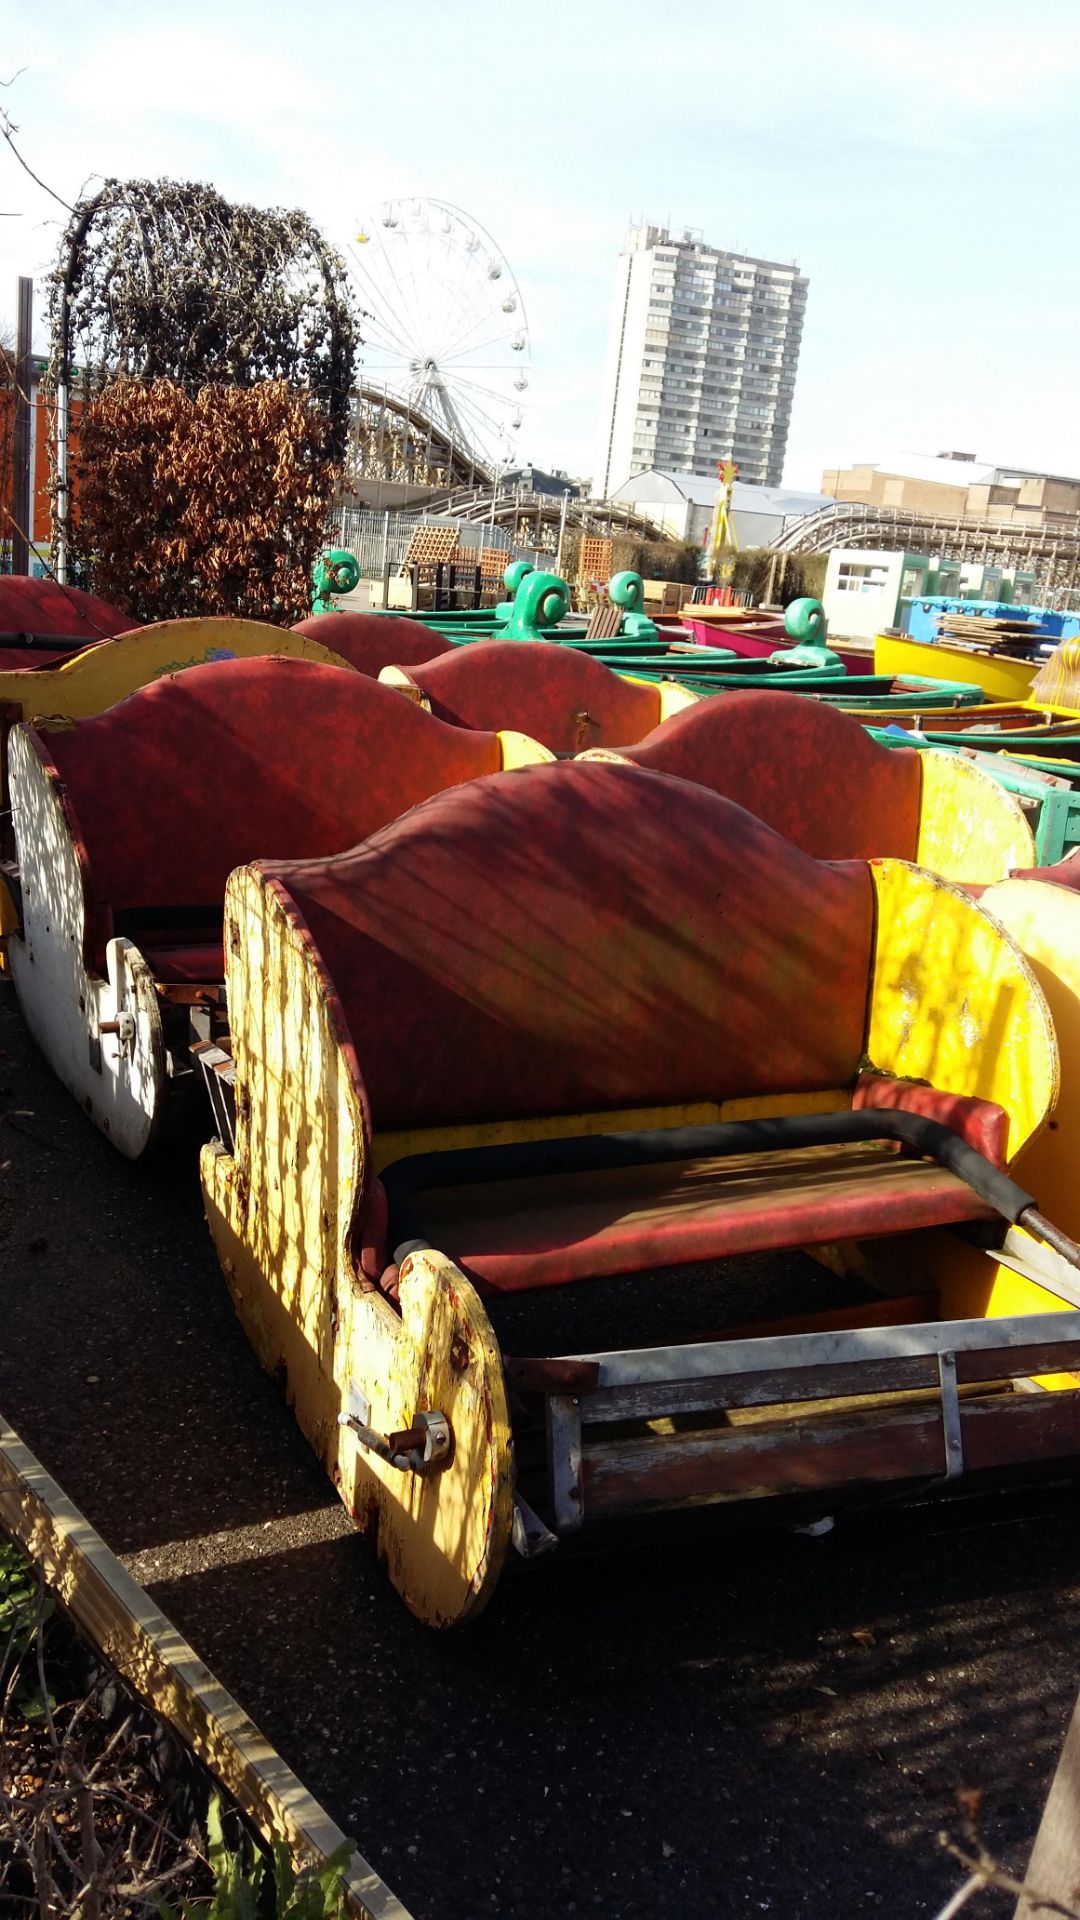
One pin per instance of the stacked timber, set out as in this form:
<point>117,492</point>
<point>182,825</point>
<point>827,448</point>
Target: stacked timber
<point>995,635</point>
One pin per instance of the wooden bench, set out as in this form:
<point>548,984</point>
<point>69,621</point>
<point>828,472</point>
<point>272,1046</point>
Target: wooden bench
<point>590,1021</point>
<point>97,676</point>
<point>128,825</point>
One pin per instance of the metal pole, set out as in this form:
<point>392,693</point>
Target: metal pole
<point>562,535</point>
<point>22,494</point>
<point>386,558</point>
<point>61,480</point>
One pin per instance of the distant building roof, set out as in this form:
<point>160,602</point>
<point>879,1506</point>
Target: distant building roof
<point>540,481</point>
<point>952,470</point>
<point>655,488</point>
<point>945,469</point>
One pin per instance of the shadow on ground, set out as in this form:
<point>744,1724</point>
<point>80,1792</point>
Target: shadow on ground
<point>732,1725</point>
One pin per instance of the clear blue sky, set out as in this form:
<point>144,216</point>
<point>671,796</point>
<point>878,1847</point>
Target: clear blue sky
<point>922,170</point>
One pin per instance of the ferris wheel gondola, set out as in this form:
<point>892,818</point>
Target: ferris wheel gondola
<point>444,323</point>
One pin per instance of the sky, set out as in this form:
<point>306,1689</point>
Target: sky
<point>920,169</point>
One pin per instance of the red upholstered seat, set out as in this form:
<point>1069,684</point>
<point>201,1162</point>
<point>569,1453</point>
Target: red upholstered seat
<point>517,1234</point>
<point>372,641</point>
<point>806,769</point>
<point>580,937</point>
<point>565,699</point>
<point>199,773</point>
<point>25,659</point>
<point>41,606</point>
<point>593,937</point>
<point>198,965</point>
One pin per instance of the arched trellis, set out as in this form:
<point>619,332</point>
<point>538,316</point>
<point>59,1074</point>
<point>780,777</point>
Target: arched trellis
<point>166,278</point>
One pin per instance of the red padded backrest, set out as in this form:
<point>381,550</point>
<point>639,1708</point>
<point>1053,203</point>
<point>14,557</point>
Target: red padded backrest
<point>372,641</point>
<point>40,606</point>
<point>581,937</point>
<point>206,770</point>
<point>23,659</point>
<point>806,769</point>
<point>565,699</point>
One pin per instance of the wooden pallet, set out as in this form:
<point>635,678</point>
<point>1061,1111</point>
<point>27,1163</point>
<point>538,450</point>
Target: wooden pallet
<point>595,557</point>
<point>431,547</point>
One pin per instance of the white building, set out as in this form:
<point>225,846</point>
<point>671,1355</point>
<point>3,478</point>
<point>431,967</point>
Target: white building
<point>702,358</point>
<point>683,505</point>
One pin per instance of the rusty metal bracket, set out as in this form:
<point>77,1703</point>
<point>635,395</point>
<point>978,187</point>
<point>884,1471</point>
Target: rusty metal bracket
<point>123,1027</point>
<point>417,1449</point>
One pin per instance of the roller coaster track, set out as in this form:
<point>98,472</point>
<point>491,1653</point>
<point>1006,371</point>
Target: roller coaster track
<point>431,445</point>
<point>1052,551</point>
<point>472,495</point>
<point>536,510</point>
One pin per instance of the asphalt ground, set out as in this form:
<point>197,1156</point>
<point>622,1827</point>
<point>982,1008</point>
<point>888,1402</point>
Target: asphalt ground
<point>706,1725</point>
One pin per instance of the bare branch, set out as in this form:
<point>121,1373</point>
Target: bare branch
<point>7,128</point>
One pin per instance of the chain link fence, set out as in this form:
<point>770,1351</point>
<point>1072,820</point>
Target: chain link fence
<point>381,541</point>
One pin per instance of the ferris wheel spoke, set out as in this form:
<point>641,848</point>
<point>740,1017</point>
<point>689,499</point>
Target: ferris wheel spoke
<point>385,344</point>
<point>480,346</point>
<point>469,403</point>
<point>467,320</point>
<point>477,386</point>
<point>458,344</point>
<point>378,329</point>
<point>386,315</point>
<point>411,303</point>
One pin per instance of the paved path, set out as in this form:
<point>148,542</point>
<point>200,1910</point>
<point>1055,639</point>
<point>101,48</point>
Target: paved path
<point>759,1724</point>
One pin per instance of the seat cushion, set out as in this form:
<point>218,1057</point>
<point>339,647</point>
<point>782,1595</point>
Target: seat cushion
<point>200,965</point>
<point>513,1235</point>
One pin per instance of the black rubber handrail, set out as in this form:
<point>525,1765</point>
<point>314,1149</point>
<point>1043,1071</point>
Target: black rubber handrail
<point>598,1153</point>
<point>55,642</point>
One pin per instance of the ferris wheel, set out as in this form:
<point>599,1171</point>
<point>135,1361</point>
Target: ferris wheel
<point>444,323</point>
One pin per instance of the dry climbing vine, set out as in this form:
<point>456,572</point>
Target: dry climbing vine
<point>165,279</point>
<point>172,312</point>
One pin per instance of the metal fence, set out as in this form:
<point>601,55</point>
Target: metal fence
<point>381,540</point>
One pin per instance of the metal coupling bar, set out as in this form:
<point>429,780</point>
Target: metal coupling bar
<point>417,1449</point>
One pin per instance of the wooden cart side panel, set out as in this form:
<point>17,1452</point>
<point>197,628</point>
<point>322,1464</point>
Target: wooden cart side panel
<point>518,750</point>
<point>553,693</point>
<point>1044,921</point>
<point>120,1084</point>
<point>283,1216</point>
<point>970,828</point>
<point>95,680</point>
<point>954,1002</point>
<point>795,764</point>
<point>1053,1872</point>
